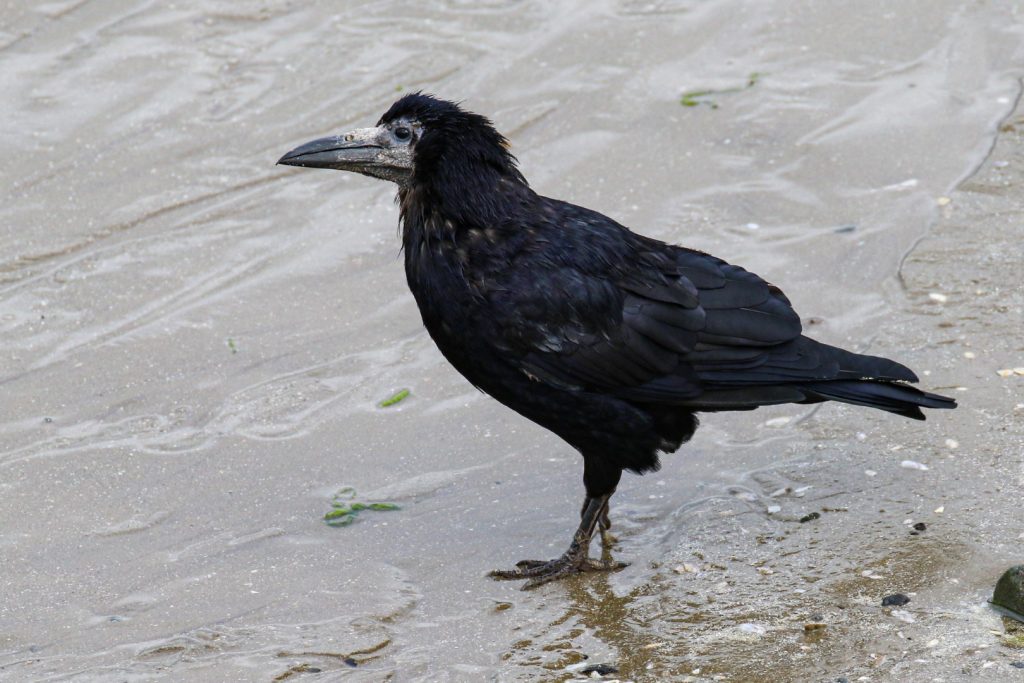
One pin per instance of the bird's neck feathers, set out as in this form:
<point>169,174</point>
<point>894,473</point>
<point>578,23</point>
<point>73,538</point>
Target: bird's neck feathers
<point>463,179</point>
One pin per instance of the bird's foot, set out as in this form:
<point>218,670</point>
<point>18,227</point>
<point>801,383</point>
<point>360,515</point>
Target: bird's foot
<point>540,572</point>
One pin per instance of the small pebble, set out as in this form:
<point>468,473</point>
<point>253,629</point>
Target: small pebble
<point>810,517</point>
<point>895,600</point>
<point>756,629</point>
<point>350,662</point>
<point>939,298</point>
<point>920,526</point>
<point>815,626</point>
<point>1018,371</point>
<point>943,201</point>
<point>970,354</point>
<point>952,443</point>
<point>932,643</point>
<point>939,510</point>
<point>870,473</point>
<point>914,465</point>
<point>1017,665</point>
<point>599,669</point>
<point>772,509</point>
<point>1005,372</point>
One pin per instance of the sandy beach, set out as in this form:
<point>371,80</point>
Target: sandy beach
<point>196,344</point>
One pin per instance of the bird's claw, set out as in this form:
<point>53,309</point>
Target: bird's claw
<point>540,572</point>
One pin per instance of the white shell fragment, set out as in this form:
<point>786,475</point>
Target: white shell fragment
<point>914,465</point>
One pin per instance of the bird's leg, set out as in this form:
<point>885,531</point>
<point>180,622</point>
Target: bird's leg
<point>574,560</point>
<point>603,522</point>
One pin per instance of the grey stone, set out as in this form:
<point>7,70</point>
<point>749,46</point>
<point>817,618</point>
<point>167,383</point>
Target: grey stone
<point>1009,591</point>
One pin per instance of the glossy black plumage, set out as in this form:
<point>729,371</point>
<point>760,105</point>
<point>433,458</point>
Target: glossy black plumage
<point>612,340</point>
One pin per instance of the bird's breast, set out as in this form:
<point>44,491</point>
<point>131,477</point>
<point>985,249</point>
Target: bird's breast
<point>448,304</point>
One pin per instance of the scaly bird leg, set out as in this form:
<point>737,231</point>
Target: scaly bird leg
<point>605,524</point>
<point>575,560</point>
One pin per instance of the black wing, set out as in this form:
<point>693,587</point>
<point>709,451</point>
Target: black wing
<point>621,314</point>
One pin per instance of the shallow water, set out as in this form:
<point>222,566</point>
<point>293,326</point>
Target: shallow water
<point>195,342</point>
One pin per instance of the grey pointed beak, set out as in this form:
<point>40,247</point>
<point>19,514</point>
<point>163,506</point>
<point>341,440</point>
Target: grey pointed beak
<point>352,151</point>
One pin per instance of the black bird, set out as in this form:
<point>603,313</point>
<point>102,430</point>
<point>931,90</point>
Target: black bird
<point>611,340</point>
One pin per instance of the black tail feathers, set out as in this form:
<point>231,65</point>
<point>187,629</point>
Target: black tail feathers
<point>889,396</point>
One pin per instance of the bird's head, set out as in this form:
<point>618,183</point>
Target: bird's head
<point>420,139</point>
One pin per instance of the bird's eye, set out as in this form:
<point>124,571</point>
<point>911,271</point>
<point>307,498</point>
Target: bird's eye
<point>403,133</point>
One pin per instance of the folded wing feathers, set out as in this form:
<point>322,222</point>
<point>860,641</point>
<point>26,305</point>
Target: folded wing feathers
<point>714,336</point>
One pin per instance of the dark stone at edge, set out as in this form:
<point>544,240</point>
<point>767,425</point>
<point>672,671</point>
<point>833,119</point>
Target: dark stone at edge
<point>1009,591</point>
<point>895,600</point>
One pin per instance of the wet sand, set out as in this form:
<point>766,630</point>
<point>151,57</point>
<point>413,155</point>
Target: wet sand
<point>195,344</point>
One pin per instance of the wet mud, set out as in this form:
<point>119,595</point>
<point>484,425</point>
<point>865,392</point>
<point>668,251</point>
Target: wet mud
<point>199,349</point>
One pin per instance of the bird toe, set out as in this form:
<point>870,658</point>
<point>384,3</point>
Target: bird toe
<point>539,572</point>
